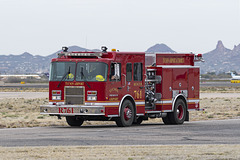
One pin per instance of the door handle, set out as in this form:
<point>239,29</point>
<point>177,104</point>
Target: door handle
<point>141,87</point>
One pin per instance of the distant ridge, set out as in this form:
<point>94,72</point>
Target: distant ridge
<point>160,48</point>
<point>26,63</point>
<point>220,59</point>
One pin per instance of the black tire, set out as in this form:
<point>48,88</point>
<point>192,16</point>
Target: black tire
<point>178,115</point>
<point>74,121</point>
<point>127,114</point>
<point>139,121</point>
<point>166,120</point>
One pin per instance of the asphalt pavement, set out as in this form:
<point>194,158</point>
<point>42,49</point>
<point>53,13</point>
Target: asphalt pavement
<point>202,132</point>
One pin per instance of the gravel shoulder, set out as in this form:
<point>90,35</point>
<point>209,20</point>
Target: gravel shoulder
<point>178,152</point>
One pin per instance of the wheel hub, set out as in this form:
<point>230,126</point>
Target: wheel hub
<point>180,112</point>
<point>127,113</point>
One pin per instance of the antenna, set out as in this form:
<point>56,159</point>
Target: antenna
<point>86,42</point>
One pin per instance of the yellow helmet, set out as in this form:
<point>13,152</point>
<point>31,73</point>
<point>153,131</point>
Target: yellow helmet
<point>99,78</point>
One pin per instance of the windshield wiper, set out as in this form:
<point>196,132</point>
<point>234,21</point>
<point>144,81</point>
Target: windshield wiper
<point>85,80</point>
<point>67,73</point>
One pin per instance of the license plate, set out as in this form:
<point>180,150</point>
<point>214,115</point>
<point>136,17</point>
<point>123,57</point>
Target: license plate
<point>65,110</point>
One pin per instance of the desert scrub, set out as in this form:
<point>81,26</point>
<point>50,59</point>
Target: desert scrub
<point>20,112</point>
<point>217,108</point>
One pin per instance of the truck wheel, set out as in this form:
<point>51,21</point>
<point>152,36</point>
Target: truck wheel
<point>126,114</point>
<point>166,120</point>
<point>179,113</point>
<point>74,121</point>
<point>139,121</point>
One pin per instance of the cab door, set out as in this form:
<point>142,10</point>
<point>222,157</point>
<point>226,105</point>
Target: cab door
<point>135,85</point>
<point>129,77</point>
<point>115,79</point>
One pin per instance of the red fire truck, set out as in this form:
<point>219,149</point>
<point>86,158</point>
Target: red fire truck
<point>92,86</point>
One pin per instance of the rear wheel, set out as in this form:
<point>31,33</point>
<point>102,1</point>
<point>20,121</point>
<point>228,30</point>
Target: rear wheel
<point>127,114</point>
<point>74,121</point>
<point>178,115</point>
<point>139,121</point>
<point>166,120</point>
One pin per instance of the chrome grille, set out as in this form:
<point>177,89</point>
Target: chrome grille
<point>74,95</point>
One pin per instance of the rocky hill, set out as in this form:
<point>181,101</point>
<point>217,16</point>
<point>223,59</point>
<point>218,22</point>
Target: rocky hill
<point>26,63</point>
<point>221,59</point>
<point>160,48</point>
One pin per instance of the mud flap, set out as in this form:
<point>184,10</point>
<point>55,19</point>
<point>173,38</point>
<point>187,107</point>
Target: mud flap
<point>187,116</point>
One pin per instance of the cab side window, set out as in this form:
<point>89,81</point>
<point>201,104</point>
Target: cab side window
<point>115,72</point>
<point>129,72</point>
<point>137,72</point>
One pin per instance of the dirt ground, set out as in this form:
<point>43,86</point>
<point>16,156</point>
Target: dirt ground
<point>178,152</point>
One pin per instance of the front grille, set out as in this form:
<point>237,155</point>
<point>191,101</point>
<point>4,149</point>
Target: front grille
<point>74,95</point>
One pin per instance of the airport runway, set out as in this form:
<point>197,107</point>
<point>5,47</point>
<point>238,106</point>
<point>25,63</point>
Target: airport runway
<point>202,132</point>
<point>26,85</point>
<point>45,85</point>
<point>219,84</point>
<point>26,95</point>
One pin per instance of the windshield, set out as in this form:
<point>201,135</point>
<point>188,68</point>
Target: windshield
<point>60,69</point>
<point>91,71</point>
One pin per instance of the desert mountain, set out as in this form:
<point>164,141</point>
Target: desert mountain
<point>160,48</point>
<point>221,59</point>
<point>27,63</point>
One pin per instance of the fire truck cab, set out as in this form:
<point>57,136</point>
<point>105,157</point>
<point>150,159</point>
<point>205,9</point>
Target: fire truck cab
<point>85,86</point>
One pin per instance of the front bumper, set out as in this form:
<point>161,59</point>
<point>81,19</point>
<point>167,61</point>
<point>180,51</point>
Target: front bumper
<point>72,110</point>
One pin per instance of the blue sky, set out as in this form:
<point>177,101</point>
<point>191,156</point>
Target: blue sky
<point>42,27</point>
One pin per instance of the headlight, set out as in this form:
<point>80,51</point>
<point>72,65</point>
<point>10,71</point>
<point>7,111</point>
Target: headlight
<point>91,98</point>
<point>56,97</point>
<point>92,95</point>
<point>56,94</point>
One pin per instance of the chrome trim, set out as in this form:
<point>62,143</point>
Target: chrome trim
<point>113,115</point>
<point>120,105</point>
<point>163,102</point>
<point>140,102</point>
<point>125,80</point>
<point>102,104</point>
<point>192,109</point>
<point>176,92</point>
<point>77,110</point>
<point>175,98</point>
<point>167,111</point>
<point>153,111</point>
<point>74,87</point>
<point>193,100</point>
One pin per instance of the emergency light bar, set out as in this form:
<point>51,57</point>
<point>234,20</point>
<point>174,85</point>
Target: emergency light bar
<point>77,54</point>
<point>198,57</point>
